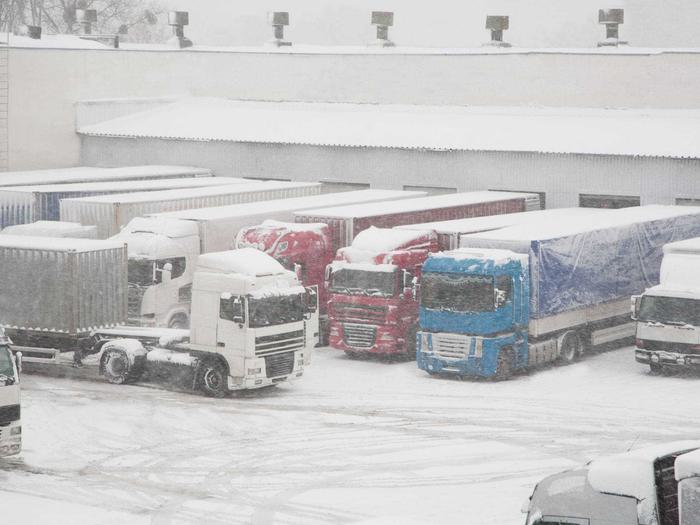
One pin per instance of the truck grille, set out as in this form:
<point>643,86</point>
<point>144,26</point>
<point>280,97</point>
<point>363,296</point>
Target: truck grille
<point>271,344</point>
<point>362,312</point>
<point>135,299</point>
<point>359,335</point>
<point>677,348</point>
<point>451,346</point>
<point>9,414</point>
<point>279,364</point>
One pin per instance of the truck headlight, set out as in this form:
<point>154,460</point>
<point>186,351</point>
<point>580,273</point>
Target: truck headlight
<point>16,431</point>
<point>254,371</point>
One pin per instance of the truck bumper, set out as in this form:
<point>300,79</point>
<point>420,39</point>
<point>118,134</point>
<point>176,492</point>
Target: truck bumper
<point>458,367</point>
<point>11,439</point>
<point>367,338</point>
<point>458,354</point>
<point>258,375</point>
<point>667,359</point>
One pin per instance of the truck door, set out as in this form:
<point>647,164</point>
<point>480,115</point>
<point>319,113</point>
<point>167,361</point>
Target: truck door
<point>312,316</point>
<point>231,331</point>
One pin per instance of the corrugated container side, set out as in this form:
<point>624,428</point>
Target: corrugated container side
<point>341,233</point>
<point>16,208</point>
<point>110,217</point>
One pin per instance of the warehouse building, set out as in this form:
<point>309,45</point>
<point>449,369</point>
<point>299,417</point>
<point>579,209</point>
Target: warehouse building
<point>570,156</point>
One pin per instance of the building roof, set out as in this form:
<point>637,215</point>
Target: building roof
<point>636,132</point>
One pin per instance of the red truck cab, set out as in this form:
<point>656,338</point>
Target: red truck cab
<point>371,286</point>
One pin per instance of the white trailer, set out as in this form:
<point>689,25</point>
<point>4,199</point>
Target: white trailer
<point>24,204</point>
<point>52,229</point>
<point>178,238</point>
<point>93,174</point>
<point>10,412</point>
<point>112,212</point>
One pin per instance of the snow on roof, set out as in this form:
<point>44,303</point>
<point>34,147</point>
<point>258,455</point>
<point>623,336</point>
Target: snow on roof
<point>87,174</point>
<point>246,261</point>
<point>52,229</point>
<point>643,132</point>
<point>294,226</point>
<point>492,222</point>
<point>184,193</point>
<point>632,473</point>
<point>408,205</point>
<point>164,226</point>
<point>497,256</point>
<point>688,465</point>
<point>576,223</point>
<point>380,240</point>
<point>140,185</point>
<point>57,244</point>
<point>292,204</point>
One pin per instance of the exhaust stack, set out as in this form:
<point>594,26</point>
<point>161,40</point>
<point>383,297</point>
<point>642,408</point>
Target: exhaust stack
<point>383,20</point>
<point>86,17</point>
<point>611,19</point>
<point>278,19</point>
<point>497,24</point>
<point>178,20</point>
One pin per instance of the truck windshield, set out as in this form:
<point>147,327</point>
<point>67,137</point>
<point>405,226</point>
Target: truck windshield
<point>141,272</point>
<point>7,369</point>
<point>352,281</point>
<point>457,292</point>
<point>670,310</point>
<point>275,310</point>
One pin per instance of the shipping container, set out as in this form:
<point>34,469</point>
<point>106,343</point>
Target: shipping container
<point>93,174</point>
<point>112,212</point>
<point>52,229</point>
<point>347,221</point>
<point>218,226</point>
<point>24,204</point>
<point>67,286</point>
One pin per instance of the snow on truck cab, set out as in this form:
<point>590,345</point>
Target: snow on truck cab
<point>373,304</point>
<point>10,423</point>
<point>253,325</point>
<point>668,315</point>
<point>633,488</point>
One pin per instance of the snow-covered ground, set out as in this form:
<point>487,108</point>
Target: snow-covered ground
<point>352,441</point>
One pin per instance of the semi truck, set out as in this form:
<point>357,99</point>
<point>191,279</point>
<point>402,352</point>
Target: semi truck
<point>25,204</point>
<point>525,295</point>
<point>110,213</point>
<point>637,487</point>
<point>93,174</point>
<point>178,238</point>
<point>10,412</point>
<point>668,315</point>
<point>357,309</point>
<point>252,322</point>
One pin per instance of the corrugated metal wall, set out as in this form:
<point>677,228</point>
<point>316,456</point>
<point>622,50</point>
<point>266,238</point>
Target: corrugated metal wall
<point>4,104</point>
<point>561,177</point>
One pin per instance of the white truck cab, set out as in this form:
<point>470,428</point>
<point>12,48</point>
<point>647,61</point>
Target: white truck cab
<point>162,258</point>
<point>10,422</point>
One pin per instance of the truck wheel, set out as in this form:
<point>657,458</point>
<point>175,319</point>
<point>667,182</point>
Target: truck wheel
<point>570,348</point>
<point>117,368</point>
<point>504,365</point>
<point>179,322</point>
<point>212,379</point>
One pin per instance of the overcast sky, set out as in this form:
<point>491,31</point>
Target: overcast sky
<point>443,23</point>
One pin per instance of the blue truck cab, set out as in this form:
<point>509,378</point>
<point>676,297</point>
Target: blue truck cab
<point>474,313</point>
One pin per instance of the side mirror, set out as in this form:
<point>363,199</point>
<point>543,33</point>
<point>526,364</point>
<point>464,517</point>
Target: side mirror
<point>327,275</point>
<point>500,298</point>
<point>635,300</point>
<point>18,361</point>
<point>297,271</point>
<point>166,273</point>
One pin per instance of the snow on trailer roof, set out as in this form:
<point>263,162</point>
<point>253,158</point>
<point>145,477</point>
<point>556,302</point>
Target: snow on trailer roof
<point>492,222</point>
<point>246,261</point>
<point>89,173</point>
<point>139,185</point>
<point>58,244</point>
<point>638,132</point>
<point>579,224</point>
<point>148,196</point>
<point>433,202</point>
<point>384,239</point>
<point>52,229</point>
<point>291,204</point>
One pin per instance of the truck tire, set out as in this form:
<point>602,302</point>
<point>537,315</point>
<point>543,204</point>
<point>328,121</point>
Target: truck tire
<point>117,368</point>
<point>212,378</point>
<point>504,365</point>
<point>179,321</point>
<point>570,348</point>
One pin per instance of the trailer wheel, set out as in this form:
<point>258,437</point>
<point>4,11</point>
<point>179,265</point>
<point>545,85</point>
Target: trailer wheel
<point>570,347</point>
<point>504,365</point>
<point>211,379</point>
<point>116,367</point>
